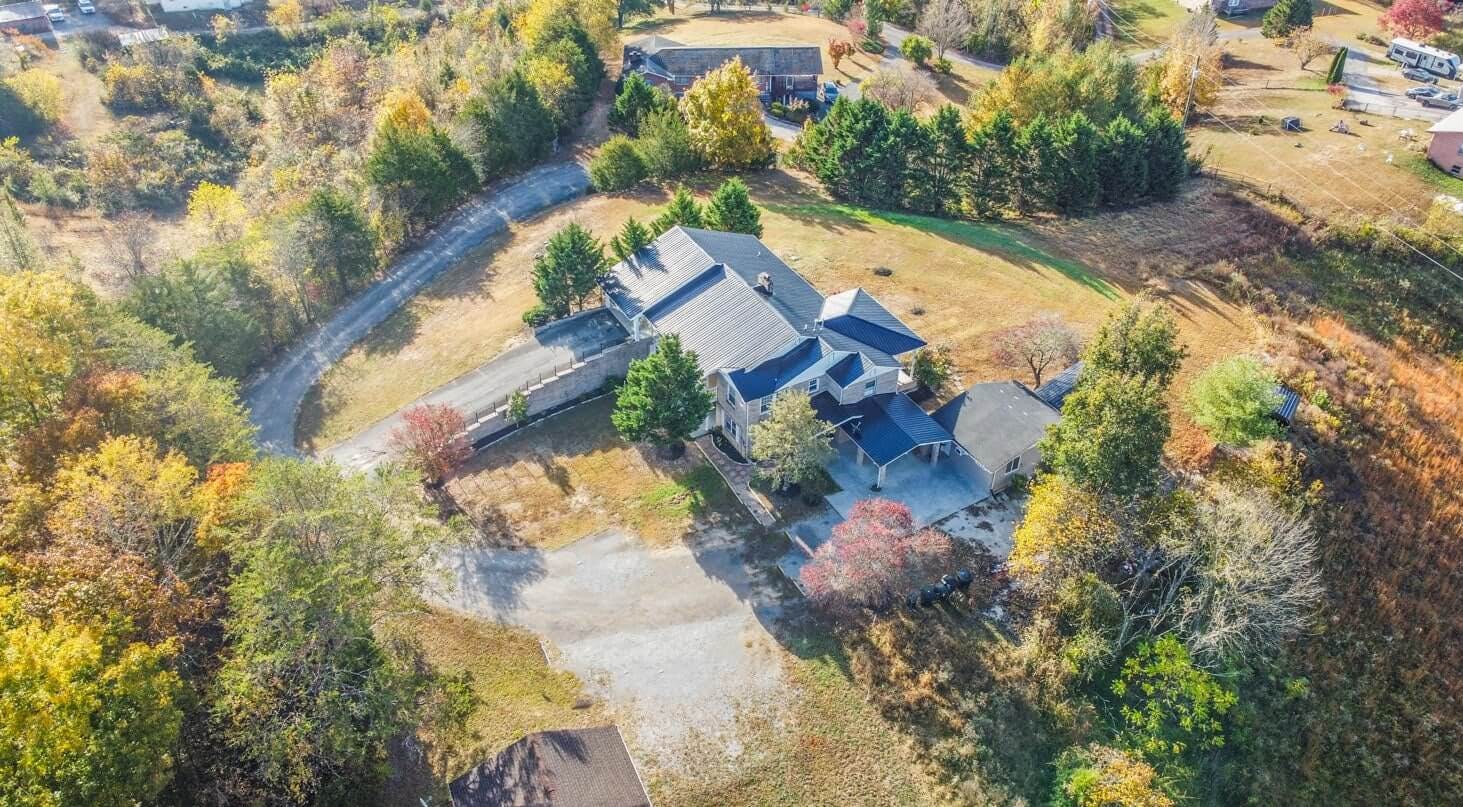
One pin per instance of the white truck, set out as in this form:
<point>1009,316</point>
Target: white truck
<point>1408,53</point>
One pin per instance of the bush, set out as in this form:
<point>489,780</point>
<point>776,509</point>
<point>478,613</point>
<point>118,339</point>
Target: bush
<point>917,49</point>
<point>617,166</point>
<point>540,314</point>
<point>942,66</point>
<point>665,145</point>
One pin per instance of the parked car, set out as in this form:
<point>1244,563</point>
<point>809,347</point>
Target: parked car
<point>54,12</point>
<point>1449,101</point>
<point>828,93</point>
<point>85,7</point>
<point>1418,74</point>
<point>1425,91</point>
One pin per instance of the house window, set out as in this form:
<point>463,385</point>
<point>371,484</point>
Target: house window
<point>813,385</point>
<point>1013,466</point>
<point>766,404</point>
<point>731,396</point>
<point>869,386</point>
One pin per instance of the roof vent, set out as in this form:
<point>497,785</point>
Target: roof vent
<point>764,283</point>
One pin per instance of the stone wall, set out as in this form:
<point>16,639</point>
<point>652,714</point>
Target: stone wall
<point>579,380</point>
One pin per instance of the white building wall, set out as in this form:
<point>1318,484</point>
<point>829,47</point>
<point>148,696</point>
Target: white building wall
<point>200,5</point>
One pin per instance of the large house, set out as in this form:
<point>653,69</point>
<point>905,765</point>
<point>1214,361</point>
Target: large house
<point>779,71</point>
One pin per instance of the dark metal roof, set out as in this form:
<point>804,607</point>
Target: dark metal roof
<point>859,316</point>
<point>1289,402</point>
<point>567,768</point>
<point>777,372</point>
<point>885,426</point>
<point>1059,386</point>
<point>996,421</point>
<point>767,60</point>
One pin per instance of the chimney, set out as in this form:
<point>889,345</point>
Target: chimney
<point>764,283</point>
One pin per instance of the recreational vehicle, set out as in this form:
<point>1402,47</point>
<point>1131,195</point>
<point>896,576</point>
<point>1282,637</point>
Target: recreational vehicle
<point>1415,54</point>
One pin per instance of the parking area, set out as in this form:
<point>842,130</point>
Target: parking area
<point>672,637</point>
<point>931,491</point>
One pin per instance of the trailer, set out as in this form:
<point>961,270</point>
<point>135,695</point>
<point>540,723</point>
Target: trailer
<point>1408,53</point>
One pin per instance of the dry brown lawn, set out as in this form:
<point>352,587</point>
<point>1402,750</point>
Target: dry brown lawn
<point>571,476</point>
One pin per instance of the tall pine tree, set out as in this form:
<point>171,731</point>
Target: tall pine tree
<point>731,209</point>
<point>664,398</point>
<point>569,269</point>
<point>1078,146</point>
<point>683,210</point>
<point>1123,165</point>
<point>995,161</point>
<point>944,167</point>
<point>1040,175</point>
<point>1168,161</point>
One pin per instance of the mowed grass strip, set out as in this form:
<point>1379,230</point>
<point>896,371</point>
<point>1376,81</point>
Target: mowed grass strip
<point>571,476</point>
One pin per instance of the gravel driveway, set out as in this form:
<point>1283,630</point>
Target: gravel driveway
<point>274,395</point>
<point>550,346</point>
<point>675,637</point>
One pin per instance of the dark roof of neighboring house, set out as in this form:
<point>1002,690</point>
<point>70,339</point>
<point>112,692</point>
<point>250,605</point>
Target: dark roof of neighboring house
<point>885,426</point>
<point>1059,386</point>
<point>20,12</point>
<point>703,286</point>
<point>671,58</point>
<point>567,768</point>
<point>1289,402</point>
<point>996,421</point>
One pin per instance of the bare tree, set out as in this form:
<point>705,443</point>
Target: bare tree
<point>134,236</point>
<point>947,23</point>
<point>1038,343</point>
<point>1306,46</point>
<point>898,87</point>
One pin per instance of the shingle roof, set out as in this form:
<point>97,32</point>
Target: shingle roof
<point>568,768</point>
<point>767,60</point>
<point>996,421</point>
<point>1059,386</point>
<point>885,426</point>
<point>701,284</point>
<point>1451,124</point>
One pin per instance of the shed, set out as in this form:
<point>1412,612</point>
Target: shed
<point>25,18</point>
<point>564,768</point>
<point>1446,149</point>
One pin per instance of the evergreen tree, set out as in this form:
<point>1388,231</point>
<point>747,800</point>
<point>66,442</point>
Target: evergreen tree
<point>1123,166</point>
<point>632,237</point>
<point>193,302</point>
<point>664,398</point>
<point>994,163</point>
<point>731,209</point>
<point>617,166</point>
<point>1039,177</point>
<point>665,145</point>
<point>1286,16</point>
<point>1168,159</point>
<point>1337,72</point>
<point>860,152</point>
<point>683,210</point>
<point>420,171</point>
<point>944,167</point>
<point>332,233</point>
<point>511,126</point>
<point>637,99</point>
<point>569,269</point>
<point>18,252</point>
<point>1078,146</point>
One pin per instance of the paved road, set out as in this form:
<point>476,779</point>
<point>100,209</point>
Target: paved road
<point>553,345</point>
<point>895,36</point>
<point>274,395</point>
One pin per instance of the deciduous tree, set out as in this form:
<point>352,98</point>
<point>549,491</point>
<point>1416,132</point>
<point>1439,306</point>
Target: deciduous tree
<point>1169,706</point>
<point>432,440</point>
<point>917,49</point>
<point>47,331</point>
<point>617,166</point>
<point>731,209</point>
<point>898,88</point>
<point>1111,435</point>
<point>664,398</point>
<point>793,440</point>
<point>665,145</point>
<point>932,367</point>
<point>1193,47</point>
<point>838,49</point>
<point>216,212</point>
<point>1306,46</point>
<point>946,22</point>
<point>874,554</point>
<point>1414,19</point>
<point>724,117</point>
<point>1139,341</point>
<point>1100,776</point>
<point>1042,342</point>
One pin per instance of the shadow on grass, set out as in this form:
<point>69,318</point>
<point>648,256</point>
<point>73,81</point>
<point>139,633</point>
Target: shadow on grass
<point>1003,240</point>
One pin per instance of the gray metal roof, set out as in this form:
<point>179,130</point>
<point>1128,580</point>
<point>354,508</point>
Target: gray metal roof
<point>1059,386</point>
<point>1289,402</point>
<point>767,60</point>
<point>20,12</point>
<point>885,426</point>
<point>996,421</point>
<point>703,285</point>
<point>859,316</point>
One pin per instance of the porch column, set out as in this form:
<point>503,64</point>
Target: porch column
<point>935,453</point>
<point>880,483</point>
<point>859,452</point>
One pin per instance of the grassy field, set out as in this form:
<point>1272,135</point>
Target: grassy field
<point>571,476</point>
<point>515,689</point>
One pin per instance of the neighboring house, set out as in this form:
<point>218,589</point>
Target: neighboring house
<point>1446,149</point>
<point>779,71</point>
<point>24,18</point>
<point>760,330</point>
<point>1228,8</point>
<point>201,5</point>
<point>568,768</point>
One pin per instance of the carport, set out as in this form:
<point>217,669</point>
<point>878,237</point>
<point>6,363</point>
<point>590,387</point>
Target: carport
<point>884,428</point>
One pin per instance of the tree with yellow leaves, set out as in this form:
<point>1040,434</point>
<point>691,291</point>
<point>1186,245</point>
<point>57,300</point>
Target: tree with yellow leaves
<point>1101,776</point>
<point>1067,531</point>
<point>46,332</point>
<point>1193,56</point>
<point>724,117</point>
<point>216,213</point>
<point>540,21</point>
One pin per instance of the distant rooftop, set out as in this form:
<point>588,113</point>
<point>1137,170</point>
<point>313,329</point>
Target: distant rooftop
<point>20,12</point>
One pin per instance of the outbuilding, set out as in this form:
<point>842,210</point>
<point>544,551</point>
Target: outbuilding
<point>24,18</point>
<point>1446,149</point>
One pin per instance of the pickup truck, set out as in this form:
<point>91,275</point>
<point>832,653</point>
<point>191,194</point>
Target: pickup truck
<point>85,7</point>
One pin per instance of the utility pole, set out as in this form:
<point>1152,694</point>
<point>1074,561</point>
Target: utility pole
<point>1193,79</point>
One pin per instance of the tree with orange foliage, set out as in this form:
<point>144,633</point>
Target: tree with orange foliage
<point>837,49</point>
<point>431,440</point>
<point>874,554</point>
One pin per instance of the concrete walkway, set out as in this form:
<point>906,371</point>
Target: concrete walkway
<point>274,394</point>
<point>738,478</point>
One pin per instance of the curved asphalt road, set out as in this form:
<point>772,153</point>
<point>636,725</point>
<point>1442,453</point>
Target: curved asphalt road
<point>275,394</point>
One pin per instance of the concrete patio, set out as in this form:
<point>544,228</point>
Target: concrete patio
<point>931,491</point>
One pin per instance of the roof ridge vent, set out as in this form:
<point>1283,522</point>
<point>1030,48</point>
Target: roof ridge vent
<point>764,283</point>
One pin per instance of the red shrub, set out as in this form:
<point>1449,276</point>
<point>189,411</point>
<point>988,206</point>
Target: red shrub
<point>874,554</point>
<point>430,439</point>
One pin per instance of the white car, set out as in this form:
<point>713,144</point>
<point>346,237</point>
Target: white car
<point>54,12</point>
<point>85,7</point>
